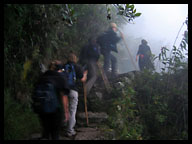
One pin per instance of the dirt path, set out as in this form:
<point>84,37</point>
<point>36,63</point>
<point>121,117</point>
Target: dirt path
<point>84,132</point>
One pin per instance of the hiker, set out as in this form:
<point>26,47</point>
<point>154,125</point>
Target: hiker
<point>89,57</point>
<point>108,42</point>
<point>73,95</point>
<point>144,54</point>
<point>55,86</point>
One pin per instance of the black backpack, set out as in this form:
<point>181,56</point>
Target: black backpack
<point>45,98</point>
<point>108,41</point>
<point>105,42</point>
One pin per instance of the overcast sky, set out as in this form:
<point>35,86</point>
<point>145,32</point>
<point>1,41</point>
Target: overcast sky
<point>159,24</point>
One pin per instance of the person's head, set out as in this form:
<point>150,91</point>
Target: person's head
<point>92,40</point>
<point>113,26</point>
<point>72,57</point>
<point>56,65</point>
<point>143,41</point>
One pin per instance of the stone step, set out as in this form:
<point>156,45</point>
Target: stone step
<point>87,133</point>
<point>93,117</point>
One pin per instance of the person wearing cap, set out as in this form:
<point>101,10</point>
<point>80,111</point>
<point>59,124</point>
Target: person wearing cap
<point>108,42</point>
<point>51,122</point>
<point>144,54</point>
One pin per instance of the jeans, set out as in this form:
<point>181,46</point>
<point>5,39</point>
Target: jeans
<point>73,102</point>
<point>92,75</point>
<point>108,57</point>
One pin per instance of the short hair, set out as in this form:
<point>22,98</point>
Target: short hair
<point>55,65</point>
<point>143,41</point>
<point>93,38</point>
<point>72,57</point>
<point>113,25</point>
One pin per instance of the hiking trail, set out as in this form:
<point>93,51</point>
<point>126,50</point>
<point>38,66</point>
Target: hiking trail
<point>97,104</point>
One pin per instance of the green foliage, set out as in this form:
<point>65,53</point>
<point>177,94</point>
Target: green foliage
<point>176,60</point>
<point>163,109</point>
<point>19,121</point>
<point>41,33</point>
<point>128,11</point>
<point>155,106</point>
<point>124,115</point>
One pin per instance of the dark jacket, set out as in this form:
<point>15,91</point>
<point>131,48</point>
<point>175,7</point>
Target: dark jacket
<point>108,41</point>
<point>90,52</point>
<point>144,50</point>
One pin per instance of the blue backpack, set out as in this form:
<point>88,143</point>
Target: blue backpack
<point>69,72</point>
<point>45,98</point>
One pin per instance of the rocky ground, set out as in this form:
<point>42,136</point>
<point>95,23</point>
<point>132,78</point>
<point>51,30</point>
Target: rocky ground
<point>92,131</point>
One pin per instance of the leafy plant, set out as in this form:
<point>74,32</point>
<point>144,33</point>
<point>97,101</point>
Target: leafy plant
<point>124,115</point>
<point>19,121</point>
<point>176,60</point>
<point>163,110</point>
<point>128,11</point>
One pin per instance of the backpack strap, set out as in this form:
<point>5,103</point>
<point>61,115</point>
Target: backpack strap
<point>73,70</point>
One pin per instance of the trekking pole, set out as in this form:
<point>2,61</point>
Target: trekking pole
<point>129,52</point>
<point>106,82</point>
<point>85,101</point>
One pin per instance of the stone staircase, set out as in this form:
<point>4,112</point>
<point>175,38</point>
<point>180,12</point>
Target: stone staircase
<point>97,103</point>
<point>84,132</point>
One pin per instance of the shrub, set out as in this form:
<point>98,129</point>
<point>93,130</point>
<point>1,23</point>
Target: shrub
<point>124,115</point>
<point>19,121</point>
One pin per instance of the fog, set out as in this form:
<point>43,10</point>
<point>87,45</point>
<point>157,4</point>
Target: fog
<point>159,24</point>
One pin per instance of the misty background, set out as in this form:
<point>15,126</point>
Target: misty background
<point>159,24</point>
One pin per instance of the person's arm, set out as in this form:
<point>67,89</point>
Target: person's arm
<point>137,57</point>
<point>80,73</point>
<point>65,103</point>
<point>121,34</point>
<point>138,52</point>
<point>84,78</point>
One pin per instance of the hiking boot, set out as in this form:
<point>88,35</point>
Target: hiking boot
<point>70,134</point>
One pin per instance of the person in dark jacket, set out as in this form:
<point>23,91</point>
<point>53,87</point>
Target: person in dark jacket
<point>144,54</point>
<point>51,122</point>
<point>89,57</point>
<point>108,42</point>
<point>73,95</point>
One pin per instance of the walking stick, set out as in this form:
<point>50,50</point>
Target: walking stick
<point>129,52</point>
<point>85,100</point>
<point>106,82</point>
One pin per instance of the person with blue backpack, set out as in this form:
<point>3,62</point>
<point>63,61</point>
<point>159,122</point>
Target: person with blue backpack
<point>73,72</point>
<point>50,100</point>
